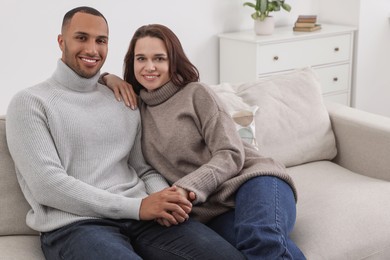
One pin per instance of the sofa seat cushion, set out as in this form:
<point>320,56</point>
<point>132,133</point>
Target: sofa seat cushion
<point>21,247</point>
<point>341,214</point>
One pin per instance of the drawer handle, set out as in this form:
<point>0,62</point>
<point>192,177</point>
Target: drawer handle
<point>335,79</point>
<point>336,49</point>
<point>276,58</point>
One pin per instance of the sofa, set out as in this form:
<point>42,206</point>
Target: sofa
<point>338,157</point>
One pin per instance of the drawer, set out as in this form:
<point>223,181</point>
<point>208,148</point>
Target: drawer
<point>301,53</point>
<point>342,98</point>
<point>334,78</point>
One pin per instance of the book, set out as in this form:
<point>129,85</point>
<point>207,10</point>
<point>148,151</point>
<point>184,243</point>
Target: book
<point>306,29</point>
<point>307,19</point>
<point>305,24</point>
<point>303,17</point>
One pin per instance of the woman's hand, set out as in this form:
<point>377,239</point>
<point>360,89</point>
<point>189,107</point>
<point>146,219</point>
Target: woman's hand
<point>187,194</point>
<point>122,90</point>
<point>168,207</point>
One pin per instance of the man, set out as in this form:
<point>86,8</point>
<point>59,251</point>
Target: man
<point>79,163</point>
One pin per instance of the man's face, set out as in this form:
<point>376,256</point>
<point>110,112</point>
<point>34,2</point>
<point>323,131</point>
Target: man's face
<point>84,44</point>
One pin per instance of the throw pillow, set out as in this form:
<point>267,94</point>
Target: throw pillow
<point>242,114</point>
<point>245,124</point>
<point>295,125</point>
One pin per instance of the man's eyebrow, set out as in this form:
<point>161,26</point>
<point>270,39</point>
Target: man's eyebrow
<point>81,33</point>
<point>86,34</point>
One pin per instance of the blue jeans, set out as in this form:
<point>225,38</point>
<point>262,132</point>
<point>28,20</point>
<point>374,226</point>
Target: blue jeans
<point>131,239</point>
<point>260,224</point>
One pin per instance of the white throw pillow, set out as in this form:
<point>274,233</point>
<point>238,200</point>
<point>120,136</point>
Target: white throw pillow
<point>243,114</point>
<point>229,97</point>
<point>292,124</point>
<point>245,124</point>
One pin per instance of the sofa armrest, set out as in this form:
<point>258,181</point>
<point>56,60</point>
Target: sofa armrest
<point>362,139</point>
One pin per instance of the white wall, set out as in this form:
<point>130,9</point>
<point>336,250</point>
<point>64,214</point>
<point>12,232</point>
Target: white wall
<point>371,90</point>
<point>29,51</point>
<point>29,30</point>
<point>344,12</point>
<point>372,85</point>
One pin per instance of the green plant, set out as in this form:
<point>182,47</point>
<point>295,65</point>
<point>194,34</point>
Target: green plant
<point>264,7</point>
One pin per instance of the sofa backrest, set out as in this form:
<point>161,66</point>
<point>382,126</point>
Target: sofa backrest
<point>13,205</point>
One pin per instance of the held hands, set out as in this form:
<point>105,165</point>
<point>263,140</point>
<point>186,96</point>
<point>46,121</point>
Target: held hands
<point>187,194</point>
<point>122,90</point>
<point>168,207</point>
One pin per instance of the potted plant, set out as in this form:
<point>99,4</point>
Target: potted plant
<point>264,23</point>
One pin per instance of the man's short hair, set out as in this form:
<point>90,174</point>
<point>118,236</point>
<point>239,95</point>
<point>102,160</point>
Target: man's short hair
<point>82,9</point>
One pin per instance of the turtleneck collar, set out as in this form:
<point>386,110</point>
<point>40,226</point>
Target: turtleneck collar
<point>71,80</point>
<point>159,95</point>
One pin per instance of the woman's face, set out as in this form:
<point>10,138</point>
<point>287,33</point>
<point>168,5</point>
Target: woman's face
<point>151,64</point>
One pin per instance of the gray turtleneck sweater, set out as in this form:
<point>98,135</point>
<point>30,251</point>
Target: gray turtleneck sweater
<point>77,152</point>
<point>190,139</point>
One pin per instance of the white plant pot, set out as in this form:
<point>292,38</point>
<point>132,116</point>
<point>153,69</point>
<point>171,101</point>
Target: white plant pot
<point>265,27</point>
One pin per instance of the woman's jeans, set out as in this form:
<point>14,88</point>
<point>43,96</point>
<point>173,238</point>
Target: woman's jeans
<point>131,239</point>
<point>260,224</point>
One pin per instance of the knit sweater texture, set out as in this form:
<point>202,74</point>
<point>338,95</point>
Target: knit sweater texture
<point>192,141</point>
<point>77,152</point>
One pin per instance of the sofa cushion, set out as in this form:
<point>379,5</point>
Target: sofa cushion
<point>13,205</point>
<point>245,124</point>
<point>21,247</point>
<point>340,214</point>
<point>292,123</point>
<point>243,114</point>
<point>227,94</point>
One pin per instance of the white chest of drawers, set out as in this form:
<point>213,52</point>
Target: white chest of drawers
<point>245,56</point>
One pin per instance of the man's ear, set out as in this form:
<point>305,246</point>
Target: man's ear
<point>60,41</point>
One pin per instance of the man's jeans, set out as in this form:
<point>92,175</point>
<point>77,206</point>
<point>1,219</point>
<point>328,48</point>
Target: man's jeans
<point>262,220</point>
<point>130,239</point>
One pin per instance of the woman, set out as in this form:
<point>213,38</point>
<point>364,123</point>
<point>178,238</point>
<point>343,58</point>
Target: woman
<point>189,138</point>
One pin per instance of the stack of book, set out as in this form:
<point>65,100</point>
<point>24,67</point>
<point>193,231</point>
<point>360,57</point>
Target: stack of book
<point>306,23</point>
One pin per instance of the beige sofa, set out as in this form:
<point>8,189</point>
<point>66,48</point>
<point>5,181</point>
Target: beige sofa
<point>339,161</point>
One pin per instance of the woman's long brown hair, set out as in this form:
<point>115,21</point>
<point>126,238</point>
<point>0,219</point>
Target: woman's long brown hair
<point>181,70</point>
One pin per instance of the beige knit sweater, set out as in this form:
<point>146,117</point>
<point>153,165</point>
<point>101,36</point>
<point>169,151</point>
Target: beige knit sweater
<point>190,139</point>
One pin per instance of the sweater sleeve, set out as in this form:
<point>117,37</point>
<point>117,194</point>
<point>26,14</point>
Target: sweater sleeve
<point>36,159</point>
<point>223,142</point>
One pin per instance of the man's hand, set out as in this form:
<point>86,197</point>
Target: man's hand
<point>122,90</point>
<point>168,207</point>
